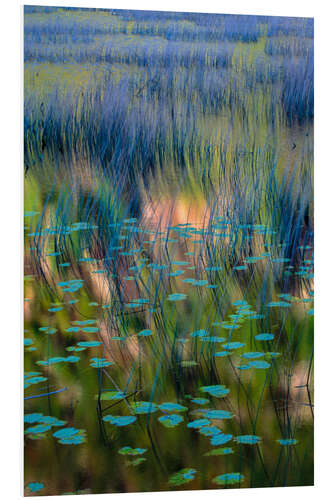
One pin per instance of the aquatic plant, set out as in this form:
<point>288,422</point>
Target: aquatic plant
<point>182,477</point>
<point>168,223</point>
<point>229,478</point>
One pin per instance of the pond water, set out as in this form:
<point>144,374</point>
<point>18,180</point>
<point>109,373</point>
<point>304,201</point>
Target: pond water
<point>168,246</point>
<point>157,367</point>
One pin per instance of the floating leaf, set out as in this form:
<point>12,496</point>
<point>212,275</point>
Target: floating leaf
<point>218,391</point>
<point>240,303</point>
<point>141,301</point>
<point>32,418</point>
<point>112,395</point>
<point>200,282</point>
<point>220,439</point>
<point>175,297</point>
<point>265,336</point>
<point>120,421</point>
<point>176,273</point>
<point>229,478</point>
<point>209,430</point>
<point>171,420</point>
<point>144,407</point>
<point>247,439</point>
<point>219,451</point>
<point>100,363</point>
<point>31,213</point>
<point>72,359</point>
<point>212,339</point>
<point>74,440</point>
<point>38,429</point>
<point>127,450</point>
<point>53,421</point>
<point>233,345</point>
<point>222,354</point>
<point>74,348</point>
<point>278,304</point>
<point>199,333</point>
<point>172,407</point>
<point>252,260</point>
<point>217,414</point>
<point>34,487</point>
<point>197,424</point>
<point>92,343</point>
<point>261,365</point>
<point>287,442</point>
<point>230,326</point>
<point>200,401</point>
<point>182,477</point>
<point>253,355</point>
<point>66,432</point>
<point>145,333</point>
<point>85,322</point>
<point>285,296</point>
<point>70,436</point>
<point>33,380</point>
<point>51,361</point>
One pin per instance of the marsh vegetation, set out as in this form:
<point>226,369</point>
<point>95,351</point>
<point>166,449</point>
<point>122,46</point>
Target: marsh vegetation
<point>168,251</point>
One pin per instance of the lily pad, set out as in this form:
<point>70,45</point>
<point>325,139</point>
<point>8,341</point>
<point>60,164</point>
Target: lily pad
<point>182,477</point>
<point>144,407</point>
<point>221,438</point>
<point>127,450</point>
<point>112,395</point>
<point>229,478</point>
<point>209,430</point>
<point>200,401</point>
<point>34,487</point>
<point>247,439</point>
<point>171,420</point>
<point>145,333</point>
<point>175,297</point>
<point>233,345</point>
<point>217,414</point>
<point>92,343</point>
<point>287,442</point>
<point>172,407</point>
<point>197,424</point>
<point>100,363</point>
<point>218,391</point>
<point>199,333</point>
<point>120,421</point>
<point>253,355</point>
<point>265,336</point>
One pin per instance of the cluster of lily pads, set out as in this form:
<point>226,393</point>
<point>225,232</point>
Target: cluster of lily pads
<point>40,424</point>
<point>205,421</point>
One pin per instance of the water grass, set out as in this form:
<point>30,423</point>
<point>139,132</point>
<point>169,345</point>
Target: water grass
<point>168,250</point>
